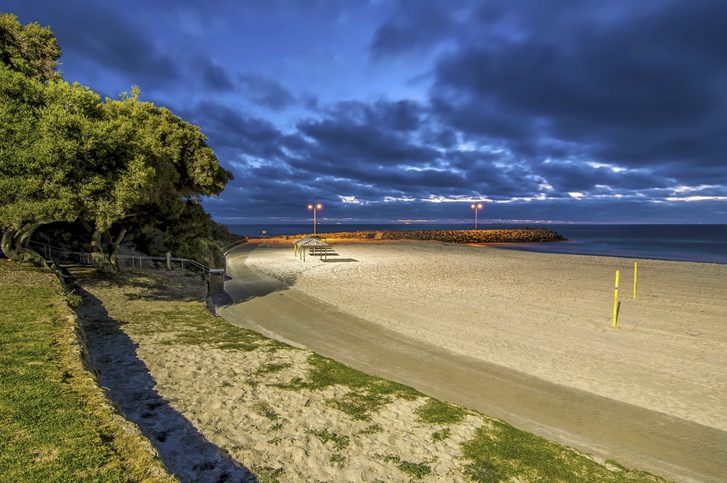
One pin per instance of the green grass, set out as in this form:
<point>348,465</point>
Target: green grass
<point>266,474</point>
<point>164,305</point>
<point>441,435</point>
<point>391,458</point>
<point>438,412</point>
<point>368,393</point>
<point>337,459</point>
<point>271,368</point>
<point>55,423</point>
<point>194,325</point>
<point>372,429</point>
<point>415,470</point>
<point>264,409</point>
<point>276,441</point>
<point>505,453</point>
<point>340,441</point>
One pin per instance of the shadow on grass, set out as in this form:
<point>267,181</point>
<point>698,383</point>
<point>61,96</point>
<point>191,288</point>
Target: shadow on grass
<point>162,286</point>
<point>184,450</point>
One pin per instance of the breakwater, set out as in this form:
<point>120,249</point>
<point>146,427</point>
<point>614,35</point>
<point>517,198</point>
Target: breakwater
<point>505,235</point>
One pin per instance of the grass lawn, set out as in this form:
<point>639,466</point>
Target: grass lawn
<point>55,422</point>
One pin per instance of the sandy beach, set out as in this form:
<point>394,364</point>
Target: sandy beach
<point>221,403</point>
<point>546,315</point>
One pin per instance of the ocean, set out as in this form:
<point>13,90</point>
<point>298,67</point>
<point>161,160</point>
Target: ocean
<point>695,243</point>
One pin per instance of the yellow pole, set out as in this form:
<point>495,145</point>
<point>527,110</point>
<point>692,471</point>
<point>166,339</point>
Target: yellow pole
<point>615,301</point>
<point>636,276</point>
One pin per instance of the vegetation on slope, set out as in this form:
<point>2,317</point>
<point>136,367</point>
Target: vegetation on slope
<point>56,423</point>
<point>155,306</point>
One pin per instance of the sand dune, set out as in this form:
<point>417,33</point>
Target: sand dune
<point>544,314</point>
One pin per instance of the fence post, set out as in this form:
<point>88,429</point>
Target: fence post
<point>169,261</point>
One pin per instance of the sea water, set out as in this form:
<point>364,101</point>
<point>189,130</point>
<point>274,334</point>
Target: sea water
<point>696,243</point>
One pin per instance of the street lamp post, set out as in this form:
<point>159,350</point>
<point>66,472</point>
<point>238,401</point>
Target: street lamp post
<point>315,207</point>
<point>477,207</point>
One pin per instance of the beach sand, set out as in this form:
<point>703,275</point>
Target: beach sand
<point>220,403</point>
<point>547,315</point>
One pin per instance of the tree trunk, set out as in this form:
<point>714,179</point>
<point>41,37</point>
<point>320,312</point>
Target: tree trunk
<point>7,243</point>
<point>104,250</point>
<point>115,246</point>
<point>100,256</point>
<point>15,245</point>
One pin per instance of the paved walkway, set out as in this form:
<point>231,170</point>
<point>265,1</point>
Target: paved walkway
<point>672,447</point>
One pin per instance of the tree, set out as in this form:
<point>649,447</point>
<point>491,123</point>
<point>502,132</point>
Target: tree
<point>192,235</point>
<point>159,161</point>
<point>29,49</point>
<point>32,190</point>
<point>49,140</point>
<point>65,155</point>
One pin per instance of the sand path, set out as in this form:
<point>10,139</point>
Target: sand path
<point>667,445</point>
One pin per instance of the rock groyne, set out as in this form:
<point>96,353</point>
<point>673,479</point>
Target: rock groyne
<point>505,235</point>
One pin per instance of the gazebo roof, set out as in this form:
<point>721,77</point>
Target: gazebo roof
<point>311,242</point>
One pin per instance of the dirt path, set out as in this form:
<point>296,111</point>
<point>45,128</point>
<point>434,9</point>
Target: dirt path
<point>666,445</point>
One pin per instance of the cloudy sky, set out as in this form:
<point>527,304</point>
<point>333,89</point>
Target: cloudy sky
<point>384,110</point>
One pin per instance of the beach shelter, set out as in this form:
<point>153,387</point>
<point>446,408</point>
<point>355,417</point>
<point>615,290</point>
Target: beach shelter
<point>313,244</point>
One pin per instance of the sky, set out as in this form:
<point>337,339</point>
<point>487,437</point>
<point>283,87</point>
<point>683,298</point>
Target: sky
<point>408,111</point>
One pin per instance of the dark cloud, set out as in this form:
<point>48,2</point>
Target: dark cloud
<point>266,92</point>
<point>372,144</point>
<point>635,87</point>
<point>96,33</point>
<point>581,177</point>
<point>357,155</point>
<point>402,115</point>
<point>416,25</point>
<point>582,111</point>
<point>363,143</point>
<point>229,129</point>
<point>492,175</point>
<point>569,110</point>
<point>214,76</point>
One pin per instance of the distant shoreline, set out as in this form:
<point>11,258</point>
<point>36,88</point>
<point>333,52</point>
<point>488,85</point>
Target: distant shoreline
<point>693,243</point>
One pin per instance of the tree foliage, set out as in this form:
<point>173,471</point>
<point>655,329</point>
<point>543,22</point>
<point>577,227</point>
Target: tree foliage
<point>29,49</point>
<point>192,235</point>
<point>158,162</point>
<point>115,166</point>
<point>48,147</point>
